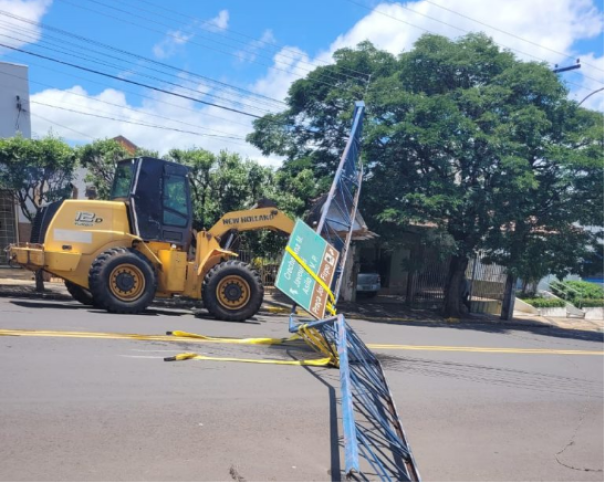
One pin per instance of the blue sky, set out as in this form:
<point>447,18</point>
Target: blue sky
<point>260,47</point>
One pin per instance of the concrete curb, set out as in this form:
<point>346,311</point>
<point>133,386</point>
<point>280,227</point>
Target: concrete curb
<point>36,295</point>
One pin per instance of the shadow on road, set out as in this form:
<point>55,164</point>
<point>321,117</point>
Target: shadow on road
<point>153,312</point>
<point>493,327</point>
<point>335,441</point>
<point>514,378</point>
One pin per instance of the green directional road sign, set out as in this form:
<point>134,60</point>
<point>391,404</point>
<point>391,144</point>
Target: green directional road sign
<point>295,281</point>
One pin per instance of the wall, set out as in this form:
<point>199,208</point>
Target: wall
<point>14,82</point>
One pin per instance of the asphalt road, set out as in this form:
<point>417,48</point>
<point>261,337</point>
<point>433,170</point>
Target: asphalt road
<point>109,409</point>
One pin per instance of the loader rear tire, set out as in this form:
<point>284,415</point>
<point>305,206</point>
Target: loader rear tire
<point>232,291</point>
<point>122,281</point>
<point>78,293</point>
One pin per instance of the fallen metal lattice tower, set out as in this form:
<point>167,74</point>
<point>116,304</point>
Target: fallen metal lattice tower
<point>375,444</point>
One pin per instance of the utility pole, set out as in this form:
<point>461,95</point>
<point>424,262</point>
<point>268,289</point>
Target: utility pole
<point>575,66</point>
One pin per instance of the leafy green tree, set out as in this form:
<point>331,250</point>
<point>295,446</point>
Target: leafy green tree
<point>100,158</point>
<point>225,182</point>
<point>459,134</point>
<point>36,172</point>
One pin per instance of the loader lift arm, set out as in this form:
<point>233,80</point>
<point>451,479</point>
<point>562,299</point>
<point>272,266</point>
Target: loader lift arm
<point>254,219</point>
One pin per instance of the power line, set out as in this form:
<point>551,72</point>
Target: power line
<point>94,60</point>
<point>63,126</point>
<point>120,19</point>
<point>99,2</point>
<point>126,121</point>
<point>129,81</point>
<point>71,52</point>
<point>276,46</point>
<point>131,93</point>
<point>132,109</point>
<point>124,52</point>
<point>513,35</point>
<point>371,9</point>
<point>137,56</point>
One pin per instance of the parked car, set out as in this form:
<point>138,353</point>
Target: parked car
<point>368,284</point>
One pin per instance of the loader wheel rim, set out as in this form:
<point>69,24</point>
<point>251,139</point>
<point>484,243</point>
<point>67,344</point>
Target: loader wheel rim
<point>127,282</point>
<point>233,292</point>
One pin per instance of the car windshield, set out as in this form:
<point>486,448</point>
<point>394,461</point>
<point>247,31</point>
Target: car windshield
<point>122,180</point>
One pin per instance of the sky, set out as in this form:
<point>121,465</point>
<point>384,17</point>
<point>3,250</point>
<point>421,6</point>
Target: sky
<point>215,66</point>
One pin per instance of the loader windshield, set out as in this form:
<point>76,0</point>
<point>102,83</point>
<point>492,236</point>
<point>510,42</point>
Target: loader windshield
<point>122,180</point>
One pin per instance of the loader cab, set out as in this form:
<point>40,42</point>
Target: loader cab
<point>157,195</point>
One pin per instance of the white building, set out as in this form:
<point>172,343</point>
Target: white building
<point>14,101</point>
<point>14,119</point>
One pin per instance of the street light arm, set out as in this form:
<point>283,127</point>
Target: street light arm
<point>594,92</point>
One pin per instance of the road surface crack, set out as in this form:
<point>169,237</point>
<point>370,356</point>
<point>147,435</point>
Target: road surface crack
<point>235,474</point>
<point>571,442</point>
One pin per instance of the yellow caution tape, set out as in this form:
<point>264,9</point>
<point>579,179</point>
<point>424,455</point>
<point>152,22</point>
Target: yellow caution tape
<point>318,342</point>
<point>233,340</point>
<point>175,336</point>
<point>330,307</point>
<point>308,362</point>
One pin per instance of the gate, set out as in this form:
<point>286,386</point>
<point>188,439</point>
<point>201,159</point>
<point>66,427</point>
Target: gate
<point>8,224</point>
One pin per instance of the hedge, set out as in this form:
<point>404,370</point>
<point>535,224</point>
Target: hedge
<point>589,303</point>
<point>577,290</point>
<point>543,303</point>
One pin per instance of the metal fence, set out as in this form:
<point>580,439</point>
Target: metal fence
<point>267,265</point>
<point>427,285</point>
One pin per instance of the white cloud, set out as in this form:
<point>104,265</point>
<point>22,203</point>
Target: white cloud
<point>159,109</point>
<point>290,64</point>
<point>32,10</point>
<point>249,53</point>
<point>220,22</point>
<point>557,24</point>
<point>169,45</point>
<point>174,39</point>
<point>553,24</point>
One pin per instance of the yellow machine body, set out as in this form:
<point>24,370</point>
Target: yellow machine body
<point>81,230</point>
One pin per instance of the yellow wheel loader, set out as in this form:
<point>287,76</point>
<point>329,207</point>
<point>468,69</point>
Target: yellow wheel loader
<point>119,254</point>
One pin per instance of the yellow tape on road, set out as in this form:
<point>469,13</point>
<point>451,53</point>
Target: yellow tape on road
<point>307,362</point>
<point>175,336</point>
<point>234,340</point>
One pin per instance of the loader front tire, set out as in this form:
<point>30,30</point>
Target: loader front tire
<point>232,291</point>
<point>122,281</point>
<point>78,293</point>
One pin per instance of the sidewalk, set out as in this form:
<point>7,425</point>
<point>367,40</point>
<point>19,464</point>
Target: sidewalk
<point>19,283</point>
<point>393,310</point>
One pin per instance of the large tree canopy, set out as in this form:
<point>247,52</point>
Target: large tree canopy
<point>36,171</point>
<point>459,134</point>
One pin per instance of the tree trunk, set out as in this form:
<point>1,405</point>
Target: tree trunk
<point>39,281</point>
<point>508,302</point>
<point>453,300</point>
<point>410,289</point>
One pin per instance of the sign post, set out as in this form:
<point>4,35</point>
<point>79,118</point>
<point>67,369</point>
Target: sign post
<point>305,283</point>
